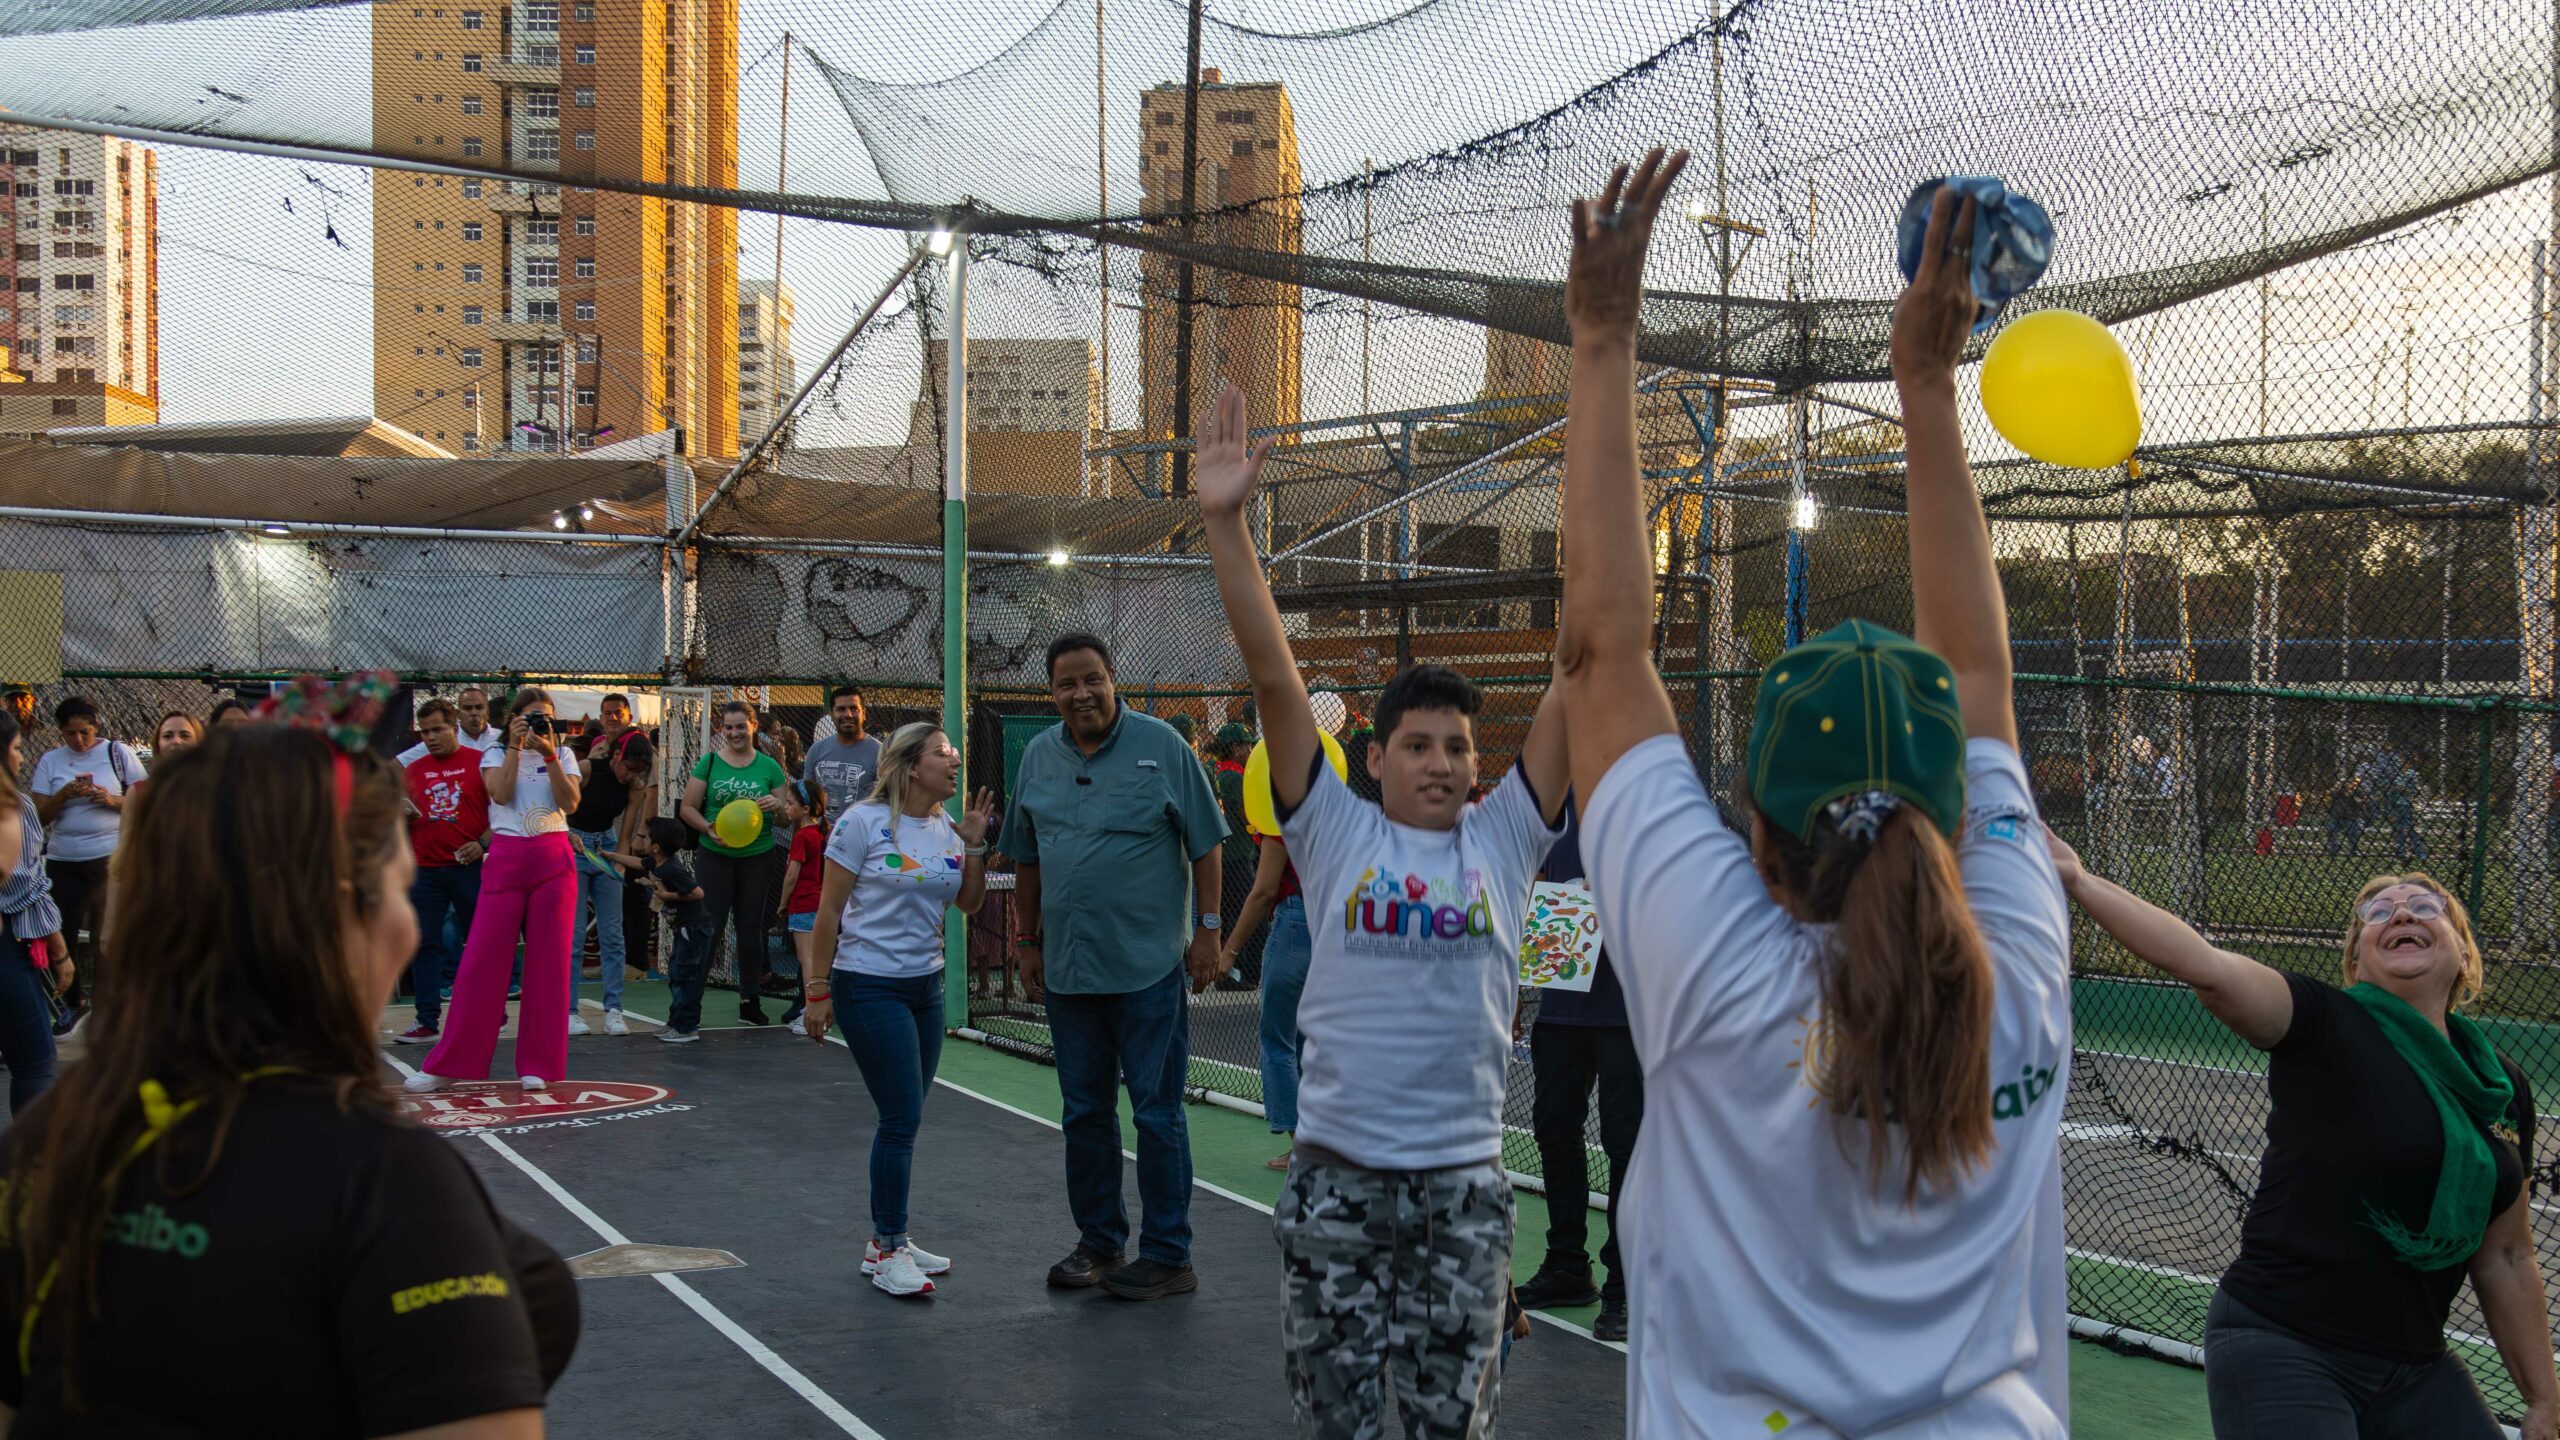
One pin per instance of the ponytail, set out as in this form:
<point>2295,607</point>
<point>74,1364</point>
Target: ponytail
<point>1906,989</point>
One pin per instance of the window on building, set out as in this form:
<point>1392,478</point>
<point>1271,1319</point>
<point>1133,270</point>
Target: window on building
<point>471,148</point>
<point>586,14</point>
<point>586,267</point>
<point>542,145</point>
<point>542,232</point>
<point>1164,147</point>
<point>586,54</point>
<point>469,357</point>
<point>75,187</point>
<point>470,314</point>
<point>542,312</point>
<point>66,405</point>
<point>586,224</point>
<point>75,314</point>
<point>470,188</point>
<point>586,97</point>
<point>542,271</point>
<point>542,55</point>
<point>470,229</point>
<point>470,64</point>
<point>1241,147</point>
<point>586,309</point>
<point>470,273</point>
<point>540,15</point>
<point>587,396</point>
<point>75,345</point>
<point>25,190</point>
<point>587,350</point>
<point>542,105</point>
<point>75,282</point>
<point>470,443</point>
<point>31,252</point>
<point>1164,117</point>
<point>470,399</point>
<point>470,19</point>
<point>22,157</point>
<point>586,140</point>
<point>470,104</point>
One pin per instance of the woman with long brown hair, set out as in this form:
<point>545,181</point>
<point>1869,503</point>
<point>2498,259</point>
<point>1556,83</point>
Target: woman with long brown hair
<point>33,962</point>
<point>1845,1213</point>
<point>216,1224</point>
<point>2399,1162</point>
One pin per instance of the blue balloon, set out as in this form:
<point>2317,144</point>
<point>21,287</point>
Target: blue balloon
<point>2012,240</point>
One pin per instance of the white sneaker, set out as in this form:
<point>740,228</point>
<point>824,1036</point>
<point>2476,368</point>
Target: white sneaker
<point>678,1037</point>
<point>532,1082</point>
<point>613,1023</point>
<point>423,1083</point>
<point>578,1024</point>
<point>899,1275</point>
<point>926,1260</point>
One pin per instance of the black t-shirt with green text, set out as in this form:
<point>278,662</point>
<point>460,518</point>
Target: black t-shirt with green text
<point>339,1273</point>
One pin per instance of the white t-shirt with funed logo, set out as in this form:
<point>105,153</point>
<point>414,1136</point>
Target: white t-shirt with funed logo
<point>1770,1280</point>
<point>906,870</point>
<point>1407,1010</point>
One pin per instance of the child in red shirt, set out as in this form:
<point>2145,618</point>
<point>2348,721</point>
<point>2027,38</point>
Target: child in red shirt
<point>801,879</point>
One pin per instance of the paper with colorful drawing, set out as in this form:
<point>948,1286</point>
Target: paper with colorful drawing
<point>1560,943</point>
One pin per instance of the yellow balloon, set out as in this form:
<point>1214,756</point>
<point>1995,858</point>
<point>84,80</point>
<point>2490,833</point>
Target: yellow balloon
<point>1261,811</point>
<point>2058,386</point>
<point>738,824</point>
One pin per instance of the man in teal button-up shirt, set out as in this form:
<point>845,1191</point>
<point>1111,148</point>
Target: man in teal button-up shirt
<point>1114,834</point>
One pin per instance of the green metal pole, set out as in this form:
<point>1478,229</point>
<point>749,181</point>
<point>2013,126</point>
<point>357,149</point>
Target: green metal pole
<point>955,597</point>
<point>2482,718</point>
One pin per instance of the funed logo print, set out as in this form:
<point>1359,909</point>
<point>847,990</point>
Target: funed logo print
<point>475,1103</point>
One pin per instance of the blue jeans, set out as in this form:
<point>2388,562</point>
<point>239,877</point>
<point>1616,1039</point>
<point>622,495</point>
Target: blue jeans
<point>893,1029</point>
<point>1144,1035</point>
<point>687,968</point>
<point>600,888</point>
<point>438,892</point>
<point>26,1023</point>
<point>2265,1382</point>
<point>1285,953</point>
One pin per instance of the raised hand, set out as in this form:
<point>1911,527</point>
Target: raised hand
<point>2066,861</point>
<point>1935,315</point>
<point>1229,467</point>
<point>976,816</point>
<point>1604,290</point>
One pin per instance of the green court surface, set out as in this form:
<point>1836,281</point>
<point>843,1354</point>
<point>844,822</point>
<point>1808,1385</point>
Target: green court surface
<point>2113,1397</point>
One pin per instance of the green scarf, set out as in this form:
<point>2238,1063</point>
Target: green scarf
<point>2471,1090</point>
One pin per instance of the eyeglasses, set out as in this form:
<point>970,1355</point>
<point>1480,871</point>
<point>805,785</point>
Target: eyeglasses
<point>2379,910</point>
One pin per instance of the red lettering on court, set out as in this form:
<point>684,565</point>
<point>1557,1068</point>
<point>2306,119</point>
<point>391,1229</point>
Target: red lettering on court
<point>500,1102</point>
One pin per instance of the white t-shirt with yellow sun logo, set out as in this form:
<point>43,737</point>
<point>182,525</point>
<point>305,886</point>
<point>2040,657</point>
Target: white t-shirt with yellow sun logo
<point>906,872</point>
<point>1773,1288</point>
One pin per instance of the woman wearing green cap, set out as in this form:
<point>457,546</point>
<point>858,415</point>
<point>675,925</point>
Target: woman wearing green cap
<point>2399,1159</point>
<point>1845,1211</point>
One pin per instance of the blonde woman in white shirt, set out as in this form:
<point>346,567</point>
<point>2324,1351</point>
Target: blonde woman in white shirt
<point>894,864</point>
<point>1844,1216</point>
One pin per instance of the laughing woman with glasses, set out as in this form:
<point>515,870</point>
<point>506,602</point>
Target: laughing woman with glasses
<point>2399,1159</point>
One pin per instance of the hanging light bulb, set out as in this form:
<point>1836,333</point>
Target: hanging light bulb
<point>1808,514</point>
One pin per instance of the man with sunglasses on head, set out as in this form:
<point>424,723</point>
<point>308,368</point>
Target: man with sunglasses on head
<point>2399,1161</point>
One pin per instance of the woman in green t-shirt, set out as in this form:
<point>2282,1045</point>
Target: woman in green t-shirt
<point>738,881</point>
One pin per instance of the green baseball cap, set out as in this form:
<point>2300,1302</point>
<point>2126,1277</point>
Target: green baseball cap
<point>1230,735</point>
<point>1856,708</point>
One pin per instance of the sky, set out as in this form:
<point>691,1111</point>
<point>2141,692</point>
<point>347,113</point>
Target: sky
<point>264,314</point>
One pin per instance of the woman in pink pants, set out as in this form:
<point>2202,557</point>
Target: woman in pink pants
<point>528,887</point>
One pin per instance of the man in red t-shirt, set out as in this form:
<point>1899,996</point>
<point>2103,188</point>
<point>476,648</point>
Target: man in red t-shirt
<point>449,830</point>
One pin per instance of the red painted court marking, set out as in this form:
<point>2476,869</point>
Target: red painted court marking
<point>471,1104</point>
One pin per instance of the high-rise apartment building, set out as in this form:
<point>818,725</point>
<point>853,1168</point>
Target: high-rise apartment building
<point>80,274</point>
<point>510,313</point>
<point>767,375</point>
<point>1015,387</point>
<point>1248,193</point>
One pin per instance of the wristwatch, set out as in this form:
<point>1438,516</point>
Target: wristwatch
<point>1208,919</point>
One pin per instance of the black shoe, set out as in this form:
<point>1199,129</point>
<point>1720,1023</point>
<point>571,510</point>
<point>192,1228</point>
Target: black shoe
<point>1612,1324</point>
<point>1144,1279</point>
<point>1083,1267</point>
<point>753,1014</point>
<point>1559,1287</point>
<point>69,1020</point>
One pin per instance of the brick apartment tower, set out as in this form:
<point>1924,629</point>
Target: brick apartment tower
<point>1244,329</point>
<point>480,286</point>
<point>79,279</point>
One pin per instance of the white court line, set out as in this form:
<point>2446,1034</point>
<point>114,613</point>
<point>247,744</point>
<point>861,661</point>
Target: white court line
<point>738,1335</point>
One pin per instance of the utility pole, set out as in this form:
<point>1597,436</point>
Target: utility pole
<point>1102,206</point>
<point>769,333</point>
<point>1368,186</point>
<point>1182,321</point>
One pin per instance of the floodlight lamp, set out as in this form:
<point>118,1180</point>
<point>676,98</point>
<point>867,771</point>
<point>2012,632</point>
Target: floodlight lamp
<point>1697,210</point>
<point>1808,514</point>
<point>1060,558</point>
<point>559,522</point>
<point>939,242</point>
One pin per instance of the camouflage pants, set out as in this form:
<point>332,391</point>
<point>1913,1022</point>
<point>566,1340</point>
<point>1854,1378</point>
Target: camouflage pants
<point>1394,1274</point>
